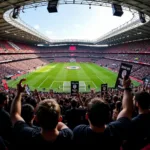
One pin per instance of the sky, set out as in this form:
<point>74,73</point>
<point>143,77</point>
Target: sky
<point>74,21</point>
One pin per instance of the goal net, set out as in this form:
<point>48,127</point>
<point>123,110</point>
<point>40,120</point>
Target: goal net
<point>67,86</point>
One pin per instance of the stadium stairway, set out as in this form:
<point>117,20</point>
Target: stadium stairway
<point>14,46</point>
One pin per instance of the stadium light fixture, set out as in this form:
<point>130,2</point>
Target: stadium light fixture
<point>52,6</point>
<point>7,31</point>
<point>142,17</point>
<point>89,6</point>
<point>139,33</point>
<point>117,10</point>
<point>16,12</point>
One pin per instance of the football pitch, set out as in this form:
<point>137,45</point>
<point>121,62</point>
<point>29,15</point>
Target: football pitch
<point>57,76</point>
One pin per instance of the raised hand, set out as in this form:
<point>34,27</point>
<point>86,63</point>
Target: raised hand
<point>20,87</point>
<point>126,83</point>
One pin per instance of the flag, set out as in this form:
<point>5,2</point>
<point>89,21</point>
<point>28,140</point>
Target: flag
<point>5,85</point>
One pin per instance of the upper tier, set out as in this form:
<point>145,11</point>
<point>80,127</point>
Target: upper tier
<point>136,47</point>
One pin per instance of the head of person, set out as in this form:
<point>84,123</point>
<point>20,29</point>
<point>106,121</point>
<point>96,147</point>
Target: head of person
<point>142,100</point>
<point>117,110</point>
<point>118,106</point>
<point>27,113</point>
<point>74,103</point>
<point>98,112</point>
<point>115,98</point>
<point>31,101</point>
<point>48,114</point>
<point>3,99</point>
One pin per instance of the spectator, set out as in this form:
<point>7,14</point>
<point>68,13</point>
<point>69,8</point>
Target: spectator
<point>117,110</point>
<point>5,121</point>
<point>2,144</point>
<point>140,135</point>
<point>114,100</point>
<point>27,114</point>
<point>74,116</point>
<point>98,133</point>
<point>53,132</point>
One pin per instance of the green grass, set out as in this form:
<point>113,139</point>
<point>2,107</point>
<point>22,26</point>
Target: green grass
<point>53,75</point>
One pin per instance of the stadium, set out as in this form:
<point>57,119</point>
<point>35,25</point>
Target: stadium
<point>50,55</point>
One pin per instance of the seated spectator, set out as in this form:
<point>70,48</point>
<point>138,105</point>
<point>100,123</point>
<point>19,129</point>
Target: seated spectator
<point>53,132</point>
<point>99,132</point>
<point>5,121</point>
<point>140,133</point>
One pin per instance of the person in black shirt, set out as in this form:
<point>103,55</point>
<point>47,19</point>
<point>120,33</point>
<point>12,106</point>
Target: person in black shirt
<point>140,133</point>
<point>27,113</point>
<point>53,133</point>
<point>74,116</point>
<point>2,144</point>
<point>5,121</point>
<point>99,132</point>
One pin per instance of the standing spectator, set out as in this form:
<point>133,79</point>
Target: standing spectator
<point>98,133</point>
<point>117,110</point>
<point>27,114</point>
<point>140,135</point>
<point>53,132</point>
<point>5,121</point>
<point>74,116</point>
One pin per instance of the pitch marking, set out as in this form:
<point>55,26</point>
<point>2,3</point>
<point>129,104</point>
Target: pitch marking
<point>43,81</point>
<point>94,84</point>
<point>100,79</point>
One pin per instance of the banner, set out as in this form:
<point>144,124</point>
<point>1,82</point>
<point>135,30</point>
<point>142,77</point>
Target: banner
<point>104,88</point>
<point>74,88</point>
<point>125,70</point>
<point>5,85</point>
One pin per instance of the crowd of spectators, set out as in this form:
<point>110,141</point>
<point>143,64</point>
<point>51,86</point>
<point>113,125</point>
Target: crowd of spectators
<point>44,120</point>
<point>25,66</point>
<point>129,57</point>
<point>139,71</point>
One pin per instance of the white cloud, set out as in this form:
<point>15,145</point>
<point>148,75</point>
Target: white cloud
<point>37,27</point>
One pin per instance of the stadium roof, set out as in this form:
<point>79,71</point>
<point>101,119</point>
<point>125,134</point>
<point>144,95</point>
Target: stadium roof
<point>22,33</point>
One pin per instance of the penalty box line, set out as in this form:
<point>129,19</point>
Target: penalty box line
<point>99,78</point>
<point>53,83</point>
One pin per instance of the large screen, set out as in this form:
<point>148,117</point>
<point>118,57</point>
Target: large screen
<point>72,48</point>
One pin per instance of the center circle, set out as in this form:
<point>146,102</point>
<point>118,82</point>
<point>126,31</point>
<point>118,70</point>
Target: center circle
<point>73,67</point>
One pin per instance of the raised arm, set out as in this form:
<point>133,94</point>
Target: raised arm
<point>80,100</point>
<point>38,96</point>
<point>15,111</point>
<point>127,102</point>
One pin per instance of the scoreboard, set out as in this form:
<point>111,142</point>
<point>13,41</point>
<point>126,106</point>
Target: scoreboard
<point>72,48</point>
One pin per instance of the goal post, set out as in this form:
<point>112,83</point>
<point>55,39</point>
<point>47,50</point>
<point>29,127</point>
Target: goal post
<point>67,86</point>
